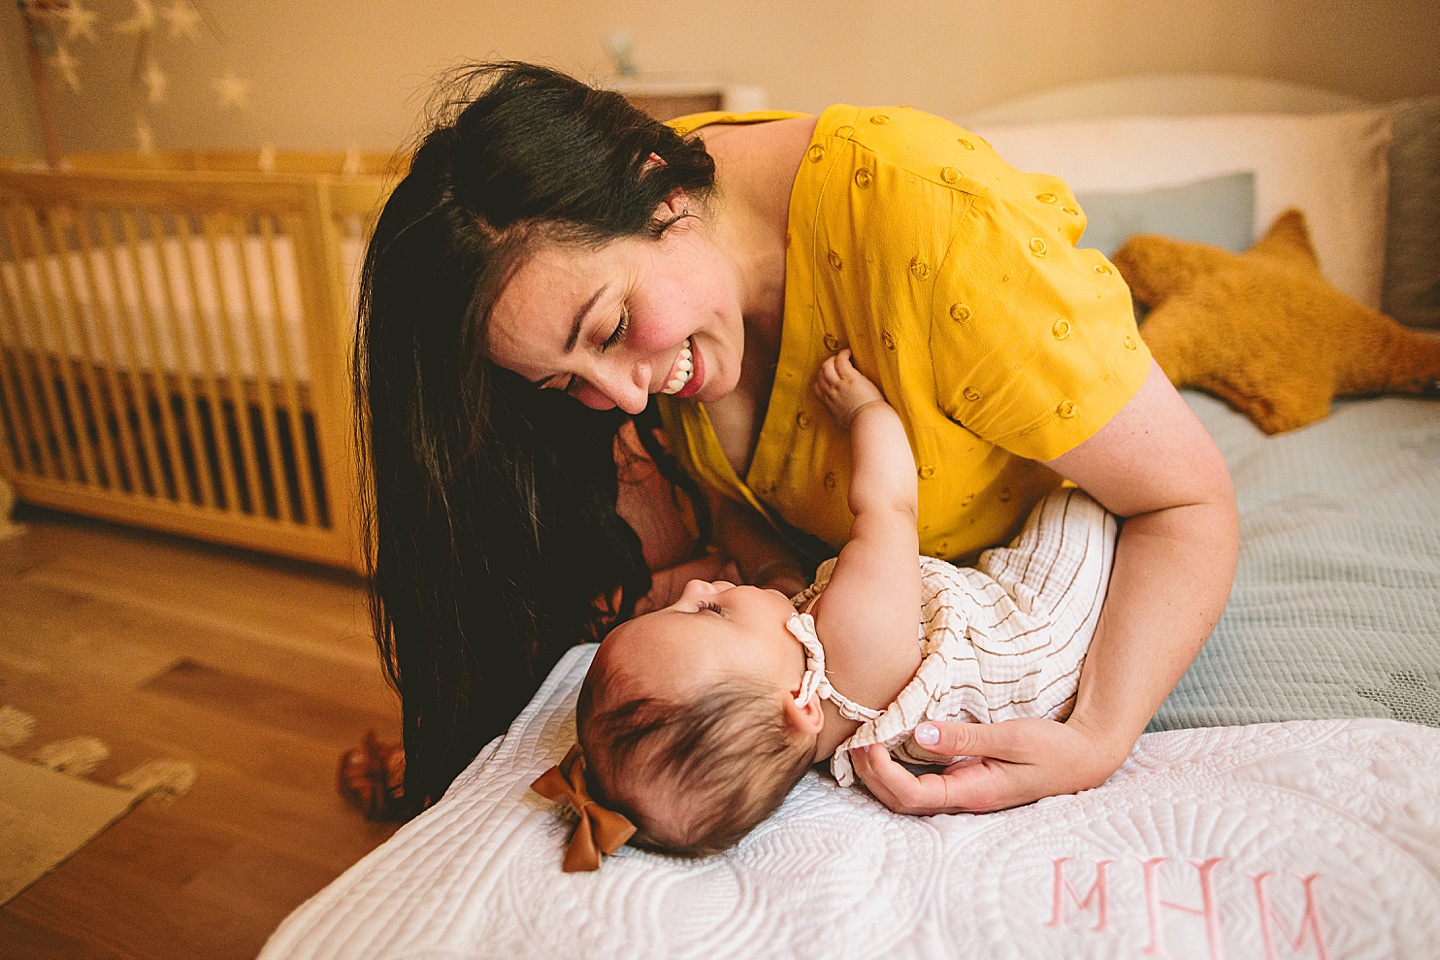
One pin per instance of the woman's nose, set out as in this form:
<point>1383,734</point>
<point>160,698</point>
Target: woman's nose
<point>627,386</point>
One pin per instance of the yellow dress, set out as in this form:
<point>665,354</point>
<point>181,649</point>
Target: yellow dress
<point>956,283</point>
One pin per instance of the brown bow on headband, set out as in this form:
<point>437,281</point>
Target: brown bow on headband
<point>600,830</point>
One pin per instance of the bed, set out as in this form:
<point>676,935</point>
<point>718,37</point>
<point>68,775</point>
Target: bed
<point>1283,802</point>
<point>174,340</point>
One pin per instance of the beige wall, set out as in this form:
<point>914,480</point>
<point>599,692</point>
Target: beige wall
<point>340,73</point>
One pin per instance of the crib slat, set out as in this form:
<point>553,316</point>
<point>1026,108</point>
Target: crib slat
<point>174,453</point>
<point>193,429</point>
<point>131,325</point>
<point>288,377</point>
<point>15,404</point>
<point>248,451</point>
<point>269,420</point>
<point>71,292</point>
<point>105,336</point>
<point>62,354</point>
<point>40,360</point>
<point>21,401</point>
<point>207,359</point>
<point>13,457</point>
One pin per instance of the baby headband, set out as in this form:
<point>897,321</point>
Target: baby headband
<point>600,830</point>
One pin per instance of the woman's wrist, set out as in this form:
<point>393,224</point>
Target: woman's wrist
<point>1109,743</point>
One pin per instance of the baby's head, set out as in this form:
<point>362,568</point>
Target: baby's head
<point>688,718</point>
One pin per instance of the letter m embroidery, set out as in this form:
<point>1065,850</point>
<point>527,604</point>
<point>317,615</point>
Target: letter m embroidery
<point>1309,919</point>
<point>1098,893</point>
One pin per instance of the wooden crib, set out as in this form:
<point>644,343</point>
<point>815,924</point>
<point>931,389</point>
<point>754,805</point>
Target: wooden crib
<point>175,333</point>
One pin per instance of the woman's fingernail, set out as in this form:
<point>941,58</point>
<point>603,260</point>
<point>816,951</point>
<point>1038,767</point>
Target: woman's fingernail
<point>927,734</point>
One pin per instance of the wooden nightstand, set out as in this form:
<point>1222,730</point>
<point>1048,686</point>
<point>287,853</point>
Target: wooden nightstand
<point>667,99</point>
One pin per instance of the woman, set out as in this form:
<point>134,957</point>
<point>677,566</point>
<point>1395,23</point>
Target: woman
<point>551,240</point>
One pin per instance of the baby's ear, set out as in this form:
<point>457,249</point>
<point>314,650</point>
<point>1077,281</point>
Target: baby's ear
<point>808,719</point>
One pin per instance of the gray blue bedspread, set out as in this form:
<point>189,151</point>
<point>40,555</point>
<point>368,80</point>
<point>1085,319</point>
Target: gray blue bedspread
<point>1336,606</point>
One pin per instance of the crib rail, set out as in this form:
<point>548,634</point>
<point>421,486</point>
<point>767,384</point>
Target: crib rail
<point>174,350</point>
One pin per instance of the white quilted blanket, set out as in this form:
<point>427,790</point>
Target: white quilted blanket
<point>1305,839</point>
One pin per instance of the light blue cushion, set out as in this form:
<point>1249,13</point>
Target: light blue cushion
<point>1219,211</point>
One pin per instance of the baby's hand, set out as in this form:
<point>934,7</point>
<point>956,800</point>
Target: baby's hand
<point>844,390</point>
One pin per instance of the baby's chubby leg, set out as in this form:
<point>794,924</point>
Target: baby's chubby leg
<point>844,390</point>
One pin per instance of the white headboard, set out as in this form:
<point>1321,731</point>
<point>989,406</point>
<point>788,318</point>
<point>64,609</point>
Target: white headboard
<point>1176,94</point>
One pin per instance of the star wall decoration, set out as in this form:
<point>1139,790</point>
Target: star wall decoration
<point>68,67</point>
<point>144,137</point>
<point>155,81</point>
<point>79,21</point>
<point>157,28</point>
<point>184,20</point>
<point>234,91</point>
<point>143,21</point>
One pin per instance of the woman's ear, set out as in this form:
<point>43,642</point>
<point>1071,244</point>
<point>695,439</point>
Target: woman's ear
<point>808,719</point>
<point>675,205</point>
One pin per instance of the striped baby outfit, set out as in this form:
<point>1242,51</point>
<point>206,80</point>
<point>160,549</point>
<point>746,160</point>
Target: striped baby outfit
<point>1005,638</point>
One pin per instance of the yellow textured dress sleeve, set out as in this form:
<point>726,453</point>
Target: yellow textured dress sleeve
<point>1034,339</point>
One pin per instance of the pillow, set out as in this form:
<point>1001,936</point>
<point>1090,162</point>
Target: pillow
<point>1412,266</point>
<point>1332,166</point>
<point>1265,331</point>
<point>1219,211</point>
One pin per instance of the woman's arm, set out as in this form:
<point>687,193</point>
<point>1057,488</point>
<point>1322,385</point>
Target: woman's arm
<point>1154,465</point>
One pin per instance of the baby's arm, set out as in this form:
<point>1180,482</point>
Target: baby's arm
<point>868,615</point>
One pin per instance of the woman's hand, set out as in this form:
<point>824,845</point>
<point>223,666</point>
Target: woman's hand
<point>1006,764</point>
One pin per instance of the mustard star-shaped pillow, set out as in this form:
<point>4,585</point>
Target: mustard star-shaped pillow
<point>1265,331</point>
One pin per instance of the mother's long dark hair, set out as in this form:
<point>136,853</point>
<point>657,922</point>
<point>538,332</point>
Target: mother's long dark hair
<point>492,535</point>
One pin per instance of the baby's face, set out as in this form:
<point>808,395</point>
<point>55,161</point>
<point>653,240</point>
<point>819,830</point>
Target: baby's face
<point>714,631</point>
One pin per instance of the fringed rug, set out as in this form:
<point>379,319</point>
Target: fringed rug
<point>49,809</point>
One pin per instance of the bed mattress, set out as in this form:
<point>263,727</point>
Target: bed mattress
<point>1305,838</point>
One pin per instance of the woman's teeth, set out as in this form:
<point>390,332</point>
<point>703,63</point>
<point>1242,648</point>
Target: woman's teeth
<point>684,370</point>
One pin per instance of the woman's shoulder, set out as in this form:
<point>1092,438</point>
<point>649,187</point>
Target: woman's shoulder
<point>926,148</point>
<point>689,123</point>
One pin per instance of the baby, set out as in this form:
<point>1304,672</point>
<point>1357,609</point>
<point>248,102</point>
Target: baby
<point>696,720</point>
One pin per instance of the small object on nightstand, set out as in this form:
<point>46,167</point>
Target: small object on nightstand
<point>620,47</point>
<point>667,99</point>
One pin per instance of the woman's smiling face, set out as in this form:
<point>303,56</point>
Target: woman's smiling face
<point>613,325</point>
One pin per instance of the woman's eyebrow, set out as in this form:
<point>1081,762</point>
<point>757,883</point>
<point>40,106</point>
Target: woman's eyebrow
<point>581,314</point>
<point>574,337</point>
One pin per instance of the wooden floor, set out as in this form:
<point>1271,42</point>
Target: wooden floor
<point>259,673</point>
